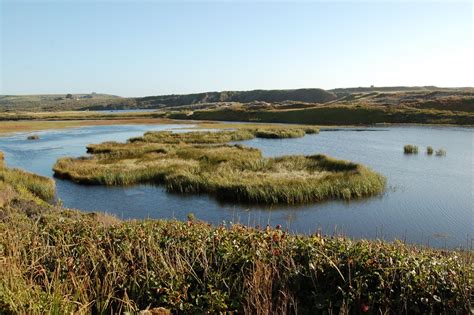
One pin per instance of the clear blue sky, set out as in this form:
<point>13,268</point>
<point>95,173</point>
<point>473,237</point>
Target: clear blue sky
<point>149,48</point>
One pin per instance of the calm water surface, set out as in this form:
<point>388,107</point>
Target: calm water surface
<point>429,199</point>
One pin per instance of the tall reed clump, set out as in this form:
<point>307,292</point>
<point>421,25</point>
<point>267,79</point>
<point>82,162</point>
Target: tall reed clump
<point>202,163</point>
<point>65,262</point>
<point>2,159</point>
<point>410,149</point>
<point>429,150</point>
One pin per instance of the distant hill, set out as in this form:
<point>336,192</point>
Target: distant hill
<point>420,97</point>
<point>431,88</point>
<point>300,95</point>
<point>58,102</point>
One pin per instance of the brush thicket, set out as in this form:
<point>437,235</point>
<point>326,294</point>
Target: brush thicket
<point>60,261</point>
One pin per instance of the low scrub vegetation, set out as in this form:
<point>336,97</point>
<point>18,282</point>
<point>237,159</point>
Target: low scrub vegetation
<point>201,162</point>
<point>331,114</point>
<point>410,149</point>
<point>55,260</point>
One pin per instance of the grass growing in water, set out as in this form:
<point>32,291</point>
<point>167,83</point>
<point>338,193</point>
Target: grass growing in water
<point>61,261</point>
<point>440,152</point>
<point>279,133</point>
<point>410,149</point>
<point>33,137</point>
<point>200,162</point>
<point>429,150</point>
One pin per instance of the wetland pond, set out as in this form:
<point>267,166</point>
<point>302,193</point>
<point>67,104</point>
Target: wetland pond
<point>429,200</point>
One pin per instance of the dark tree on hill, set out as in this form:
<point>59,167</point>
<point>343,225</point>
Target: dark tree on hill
<point>69,96</point>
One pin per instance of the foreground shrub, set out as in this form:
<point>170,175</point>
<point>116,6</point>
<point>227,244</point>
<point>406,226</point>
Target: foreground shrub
<point>65,262</point>
<point>410,149</point>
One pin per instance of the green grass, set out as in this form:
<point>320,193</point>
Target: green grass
<point>60,261</point>
<point>429,150</point>
<point>201,162</point>
<point>39,186</point>
<point>279,134</point>
<point>209,137</point>
<point>410,149</point>
<point>199,137</point>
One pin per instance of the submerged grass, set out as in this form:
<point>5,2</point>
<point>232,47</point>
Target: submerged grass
<point>201,162</point>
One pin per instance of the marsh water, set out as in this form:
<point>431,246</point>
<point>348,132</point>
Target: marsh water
<point>429,199</point>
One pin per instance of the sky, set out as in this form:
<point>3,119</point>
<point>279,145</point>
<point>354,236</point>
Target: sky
<point>155,47</point>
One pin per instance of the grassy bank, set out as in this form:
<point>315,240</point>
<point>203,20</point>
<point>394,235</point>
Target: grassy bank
<point>333,115</point>
<point>26,183</point>
<point>201,162</point>
<point>57,261</point>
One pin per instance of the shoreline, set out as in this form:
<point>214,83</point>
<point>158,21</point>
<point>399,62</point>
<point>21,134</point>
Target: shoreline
<point>10,127</point>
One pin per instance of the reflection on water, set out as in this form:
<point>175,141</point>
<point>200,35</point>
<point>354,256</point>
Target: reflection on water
<point>429,199</point>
